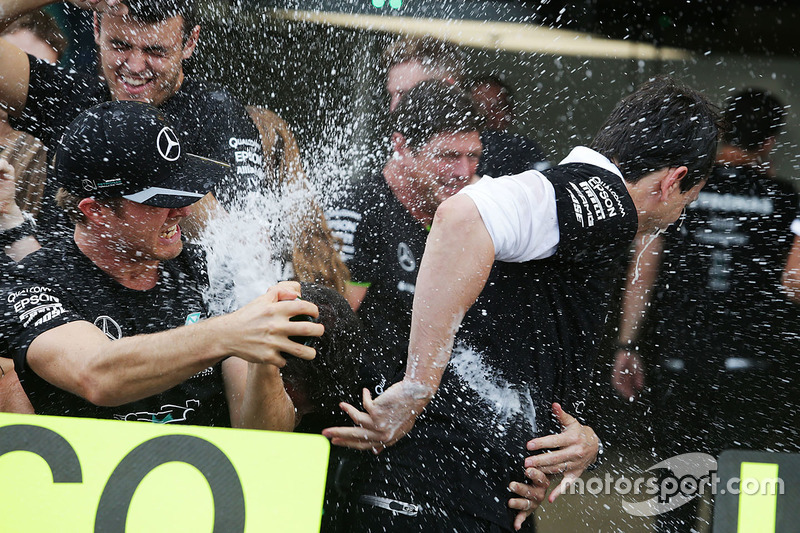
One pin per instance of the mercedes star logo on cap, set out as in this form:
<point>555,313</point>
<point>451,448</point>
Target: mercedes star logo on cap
<point>168,145</point>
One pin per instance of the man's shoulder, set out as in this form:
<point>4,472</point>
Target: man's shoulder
<point>200,95</point>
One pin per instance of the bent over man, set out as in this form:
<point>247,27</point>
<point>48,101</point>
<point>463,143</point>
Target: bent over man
<point>565,227</point>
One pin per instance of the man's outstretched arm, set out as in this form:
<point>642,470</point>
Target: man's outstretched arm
<point>79,358</point>
<point>458,259</point>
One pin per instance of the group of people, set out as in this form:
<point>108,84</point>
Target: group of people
<point>482,300</point>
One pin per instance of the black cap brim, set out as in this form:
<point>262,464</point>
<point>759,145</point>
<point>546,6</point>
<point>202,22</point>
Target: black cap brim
<point>198,176</point>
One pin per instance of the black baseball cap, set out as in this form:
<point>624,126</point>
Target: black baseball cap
<point>130,150</point>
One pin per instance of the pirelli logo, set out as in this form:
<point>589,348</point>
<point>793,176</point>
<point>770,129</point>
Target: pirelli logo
<point>594,200</point>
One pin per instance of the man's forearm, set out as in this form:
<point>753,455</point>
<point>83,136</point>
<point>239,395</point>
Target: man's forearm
<point>11,10</point>
<point>266,405</point>
<point>642,274</point>
<point>79,358</point>
<point>458,259</point>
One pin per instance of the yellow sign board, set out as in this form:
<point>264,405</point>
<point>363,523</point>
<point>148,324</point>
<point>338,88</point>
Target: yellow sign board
<point>81,475</point>
<point>758,504</point>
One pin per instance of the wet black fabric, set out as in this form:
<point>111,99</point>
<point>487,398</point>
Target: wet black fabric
<point>385,248</point>
<point>530,339</point>
<point>210,121</point>
<point>58,285</point>
<point>508,154</point>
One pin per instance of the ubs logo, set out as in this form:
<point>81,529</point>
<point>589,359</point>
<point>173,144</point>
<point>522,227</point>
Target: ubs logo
<point>168,145</point>
<point>406,258</point>
<point>109,326</point>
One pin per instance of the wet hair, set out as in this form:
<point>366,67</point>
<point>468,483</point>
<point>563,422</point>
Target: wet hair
<point>505,89</point>
<point>333,375</point>
<point>441,58</point>
<point>433,107</point>
<point>753,116</point>
<point>154,11</point>
<point>661,125</point>
<point>42,26</point>
<point>315,254</point>
<point>68,202</point>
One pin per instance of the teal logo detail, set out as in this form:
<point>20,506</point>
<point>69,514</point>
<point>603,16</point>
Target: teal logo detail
<point>166,420</point>
<point>192,318</point>
<point>394,4</point>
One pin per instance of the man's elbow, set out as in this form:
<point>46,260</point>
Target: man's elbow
<point>96,390</point>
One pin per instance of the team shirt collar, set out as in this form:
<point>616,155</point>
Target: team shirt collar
<point>582,154</point>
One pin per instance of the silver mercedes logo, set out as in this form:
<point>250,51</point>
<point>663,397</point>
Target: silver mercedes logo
<point>168,145</point>
<point>109,326</point>
<point>406,258</point>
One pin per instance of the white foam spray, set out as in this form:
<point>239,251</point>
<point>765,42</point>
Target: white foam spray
<point>506,401</point>
<point>248,248</point>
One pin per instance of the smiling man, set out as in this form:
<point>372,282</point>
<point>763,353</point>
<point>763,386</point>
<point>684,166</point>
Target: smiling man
<point>436,147</point>
<point>556,238</point>
<point>111,323</point>
<point>142,47</point>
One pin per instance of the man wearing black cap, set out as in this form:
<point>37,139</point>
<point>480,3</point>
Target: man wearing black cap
<point>142,46</point>
<point>126,277</point>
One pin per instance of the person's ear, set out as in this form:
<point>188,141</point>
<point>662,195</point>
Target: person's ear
<point>96,26</point>
<point>191,43</point>
<point>400,145</point>
<point>671,181</point>
<point>93,210</point>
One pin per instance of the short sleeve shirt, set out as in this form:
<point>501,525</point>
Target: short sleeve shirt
<point>382,245</point>
<point>529,340</point>
<point>59,285</point>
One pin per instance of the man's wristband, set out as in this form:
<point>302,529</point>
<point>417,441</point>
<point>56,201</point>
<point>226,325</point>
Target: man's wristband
<point>10,236</point>
<point>599,459</point>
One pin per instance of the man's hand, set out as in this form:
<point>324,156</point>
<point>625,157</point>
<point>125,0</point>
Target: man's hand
<point>112,7</point>
<point>532,495</point>
<point>574,449</point>
<point>7,187</point>
<point>627,376</point>
<point>387,419</point>
<point>10,214</point>
<point>260,331</point>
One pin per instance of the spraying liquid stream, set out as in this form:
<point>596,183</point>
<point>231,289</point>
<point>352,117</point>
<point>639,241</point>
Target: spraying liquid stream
<point>248,248</point>
<point>649,240</point>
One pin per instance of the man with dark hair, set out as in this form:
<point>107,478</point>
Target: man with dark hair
<point>561,233</point>
<point>718,330</point>
<point>142,47</point>
<point>316,387</point>
<point>412,60</point>
<point>436,146</point>
<point>110,323</point>
<point>436,151</point>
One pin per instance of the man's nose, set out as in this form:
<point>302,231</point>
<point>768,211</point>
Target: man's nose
<point>136,61</point>
<point>463,166</point>
<point>180,212</point>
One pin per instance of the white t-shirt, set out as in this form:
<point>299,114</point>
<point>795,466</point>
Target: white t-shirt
<point>519,211</point>
<point>796,226</point>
